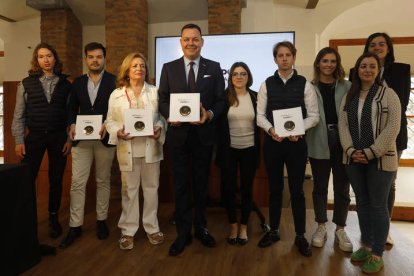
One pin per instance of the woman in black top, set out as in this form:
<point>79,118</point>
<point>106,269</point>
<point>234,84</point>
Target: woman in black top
<point>238,149</point>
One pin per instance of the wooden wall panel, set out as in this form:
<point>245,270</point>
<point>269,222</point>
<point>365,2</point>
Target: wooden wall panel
<point>9,101</point>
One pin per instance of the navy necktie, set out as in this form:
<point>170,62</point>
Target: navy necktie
<point>191,78</point>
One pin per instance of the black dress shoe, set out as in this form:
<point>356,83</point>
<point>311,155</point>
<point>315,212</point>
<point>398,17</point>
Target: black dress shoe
<point>206,239</point>
<point>232,241</point>
<point>269,238</point>
<point>55,229</point>
<point>73,234</point>
<point>45,250</point>
<point>178,246</point>
<point>242,241</point>
<point>102,231</point>
<point>303,246</point>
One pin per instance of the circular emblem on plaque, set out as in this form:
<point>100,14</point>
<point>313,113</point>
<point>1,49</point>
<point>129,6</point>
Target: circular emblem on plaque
<point>289,125</point>
<point>139,125</point>
<point>185,110</point>
<point>88,130</point>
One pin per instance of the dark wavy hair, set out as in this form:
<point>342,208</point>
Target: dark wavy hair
<point>35,69</point>
<point>356,80</point>
<point>231,92</point>
<point>389,58</point>
<point>339,72</point>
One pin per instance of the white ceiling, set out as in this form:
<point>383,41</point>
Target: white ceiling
<point>17,10</point>
<point>92,12</point>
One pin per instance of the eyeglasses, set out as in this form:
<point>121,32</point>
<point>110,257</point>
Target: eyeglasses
<point>241,74</point>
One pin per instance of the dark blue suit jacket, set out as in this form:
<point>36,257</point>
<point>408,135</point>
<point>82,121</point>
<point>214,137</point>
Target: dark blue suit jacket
<point>210,85</point>
<point>80,104</point>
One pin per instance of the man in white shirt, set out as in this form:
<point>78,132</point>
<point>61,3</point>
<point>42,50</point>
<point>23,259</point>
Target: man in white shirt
<point>286,89</point>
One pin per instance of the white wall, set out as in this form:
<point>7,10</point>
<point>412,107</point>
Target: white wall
<point>92,34</point>
<point>331,20</point>
<point>20,39</point>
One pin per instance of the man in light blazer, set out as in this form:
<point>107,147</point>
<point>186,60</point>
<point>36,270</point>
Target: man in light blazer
<point>191,144</point>
<point>90,96</point>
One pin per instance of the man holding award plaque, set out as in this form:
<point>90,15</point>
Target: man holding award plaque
<point>284,91</point>
<point>191,141</point>
<point>87,110</point>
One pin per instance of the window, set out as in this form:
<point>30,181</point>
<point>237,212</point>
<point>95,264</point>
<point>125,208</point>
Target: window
<point>1,119</point>
<point>409,152</point>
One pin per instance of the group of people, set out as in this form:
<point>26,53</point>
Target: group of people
<point>356,130</point>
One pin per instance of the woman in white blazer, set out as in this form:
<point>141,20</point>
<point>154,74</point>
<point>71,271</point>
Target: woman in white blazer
<point>139,157</point>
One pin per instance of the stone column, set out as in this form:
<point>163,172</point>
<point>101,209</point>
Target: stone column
<point>126,30</point>
<point>224,16</point>
<point>62,29</point>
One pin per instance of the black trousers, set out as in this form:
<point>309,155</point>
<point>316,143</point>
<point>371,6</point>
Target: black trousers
<point>321,169</point>
<point>293,155</point>
<point>191,165</point>
<point>245,159</point>
<point>36,143</point>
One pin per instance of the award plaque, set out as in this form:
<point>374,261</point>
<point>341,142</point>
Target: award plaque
<point>139,125</point>
<point>138,122</point>
<point>88,127</point>
<point>288,122</point>
<point>185,110</point>
<point>88,130</point>
<point>184,107</point>
<point>289,125</point>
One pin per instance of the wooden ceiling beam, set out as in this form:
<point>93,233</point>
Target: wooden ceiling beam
<point>312,4</point>
<point>2,17</point>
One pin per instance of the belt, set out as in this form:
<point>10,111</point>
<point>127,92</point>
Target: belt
<point>332,126</point>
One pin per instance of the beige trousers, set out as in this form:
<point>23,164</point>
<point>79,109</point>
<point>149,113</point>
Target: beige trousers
<point>82,157</point>
<point>147,176</point>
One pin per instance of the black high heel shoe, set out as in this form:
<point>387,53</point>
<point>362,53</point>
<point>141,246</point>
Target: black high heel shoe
<point>242,241</point>
<point>232,241</point>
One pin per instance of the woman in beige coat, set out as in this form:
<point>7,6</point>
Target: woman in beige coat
<point>369,123</point>
<point>139,157</point>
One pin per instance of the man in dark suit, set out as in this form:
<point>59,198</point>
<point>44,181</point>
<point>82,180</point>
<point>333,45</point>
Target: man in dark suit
<point>90,96</point>
<point>191,144</point>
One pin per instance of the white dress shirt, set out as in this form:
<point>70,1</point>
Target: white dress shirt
<point>311,105</point>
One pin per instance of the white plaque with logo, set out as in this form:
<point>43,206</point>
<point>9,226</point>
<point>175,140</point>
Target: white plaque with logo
<point>138,122</point>
<point>88,127</point>
<point>184,107</point>
<point>288,122</point>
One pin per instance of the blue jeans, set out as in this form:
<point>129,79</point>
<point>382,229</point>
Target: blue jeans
<point>371,188</point>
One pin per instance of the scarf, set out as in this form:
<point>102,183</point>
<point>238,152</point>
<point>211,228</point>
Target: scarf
<point>366,138</point>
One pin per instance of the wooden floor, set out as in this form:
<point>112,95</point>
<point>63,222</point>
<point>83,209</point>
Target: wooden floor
<point>90,256</point>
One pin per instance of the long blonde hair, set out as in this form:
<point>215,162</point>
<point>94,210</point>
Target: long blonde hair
<point>123,75</point>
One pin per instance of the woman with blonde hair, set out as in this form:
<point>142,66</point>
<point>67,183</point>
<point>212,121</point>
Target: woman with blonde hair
<point>325,151</point>
<point>139,157</point>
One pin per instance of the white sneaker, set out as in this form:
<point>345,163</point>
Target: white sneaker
<point>320,236</point>
<point>390,241</point>
<point>342,239</point>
